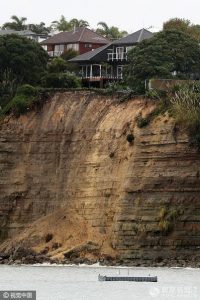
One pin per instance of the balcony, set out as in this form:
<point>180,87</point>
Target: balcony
<point>55,53</point>
<point>117,56</point>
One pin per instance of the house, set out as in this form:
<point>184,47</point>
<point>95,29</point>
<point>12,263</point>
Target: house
<point>26,33</point>
<point>106,63</point>
<point>81,40</point>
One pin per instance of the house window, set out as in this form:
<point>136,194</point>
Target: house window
<point>88,45</point>
<point>120,52</point>
<point>73,46</point>
<point>59,48</point>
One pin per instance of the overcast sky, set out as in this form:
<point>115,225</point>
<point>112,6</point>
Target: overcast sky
<point>128,15</point>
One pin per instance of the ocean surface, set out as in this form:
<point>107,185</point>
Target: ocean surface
<point>81,283</point>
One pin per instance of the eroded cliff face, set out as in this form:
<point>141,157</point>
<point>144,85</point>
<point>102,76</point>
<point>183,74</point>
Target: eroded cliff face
<point>68,170</point>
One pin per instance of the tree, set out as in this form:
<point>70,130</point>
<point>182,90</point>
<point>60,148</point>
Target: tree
<point>184,26</point>
<point>62,24</point>
<point>78,23</point>
<point>39,28</point>
<point>168,52</point>
<point>17,24</point>
<point>57,65</point>
<point>21,61</point>
<point>110,32</point>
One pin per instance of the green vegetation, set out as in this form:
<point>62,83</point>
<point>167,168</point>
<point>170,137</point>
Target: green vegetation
<point>185,104</point>
<point>169,54</point>
<point>184,26</point>
<point>24,68</point>
<point>130,138</point>
<point>48,237</point>
<point>167,219</point>
<point>163,105</point>
<point>19,23</point>
<point>21,61</point>
<point>25,97</point>
<point>110,32</point>
<point>61,80</point>
<point>16,23</point>
<point>142,122</point>
<point>64,25</point>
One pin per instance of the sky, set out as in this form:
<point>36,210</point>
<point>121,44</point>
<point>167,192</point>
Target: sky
<point>129,15</point>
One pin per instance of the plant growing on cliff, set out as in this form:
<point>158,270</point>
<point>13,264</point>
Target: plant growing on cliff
<point>130,138</point>
<point>167,219</point>
<point>25,97</point>
<point>186,110</point>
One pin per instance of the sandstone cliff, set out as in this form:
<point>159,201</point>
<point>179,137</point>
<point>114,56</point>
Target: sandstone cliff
<point>70,182</point>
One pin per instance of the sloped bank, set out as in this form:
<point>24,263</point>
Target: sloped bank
<point>80,171</point>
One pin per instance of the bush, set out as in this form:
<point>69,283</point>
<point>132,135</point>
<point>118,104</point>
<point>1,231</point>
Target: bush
<point>142,122</point>
<point>61,80</point>
<point>130,138</point>
<point>48,237</point>
<point>24,98</point>
<point>155,94</point>
<point>185,104</point>
<point>27,90</point>
<point>168,218</point>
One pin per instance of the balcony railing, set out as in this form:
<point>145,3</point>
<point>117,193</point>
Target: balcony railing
<point>55,53</point>
<point>117,56</point>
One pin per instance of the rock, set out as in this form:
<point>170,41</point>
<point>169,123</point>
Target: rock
<point>88,247</point>
<point>55,246</point>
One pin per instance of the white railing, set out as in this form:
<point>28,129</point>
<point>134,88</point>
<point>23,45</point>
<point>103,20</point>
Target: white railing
<point>55,53</point>
<point>119,76</point>
<point>117,56</point>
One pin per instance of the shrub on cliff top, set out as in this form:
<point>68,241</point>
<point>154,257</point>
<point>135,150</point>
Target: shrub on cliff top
<point>24,98</point>
<point>61,80</point>
<point>186,110</point>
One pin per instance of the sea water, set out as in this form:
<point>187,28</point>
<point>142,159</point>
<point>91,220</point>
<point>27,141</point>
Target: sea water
<point>81,282</point>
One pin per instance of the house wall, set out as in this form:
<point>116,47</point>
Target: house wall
<point>83,49</point>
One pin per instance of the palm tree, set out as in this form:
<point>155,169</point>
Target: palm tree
<point>104,30</point>
<point>17,24</point>
<point>110,32</point>
<point>79,23</point>
<point>39,28</point>
<point>61,25</point>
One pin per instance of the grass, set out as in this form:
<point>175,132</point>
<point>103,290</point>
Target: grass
<point>185,104</point>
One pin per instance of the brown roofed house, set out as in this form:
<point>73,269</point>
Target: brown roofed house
<point>81,40</point>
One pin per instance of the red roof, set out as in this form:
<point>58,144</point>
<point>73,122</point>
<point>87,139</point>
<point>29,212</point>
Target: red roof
<point>77,35</point>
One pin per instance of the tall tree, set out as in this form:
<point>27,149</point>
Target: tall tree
<point>110,32</point>
<point>17,24</point>
<point>184,26</point>
<point>168,52</point>
<point>21,61</point>
<point>62,24</point>
<point>78,23</point>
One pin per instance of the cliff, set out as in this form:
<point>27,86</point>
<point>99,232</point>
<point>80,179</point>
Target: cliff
<point>71,183</point>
